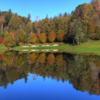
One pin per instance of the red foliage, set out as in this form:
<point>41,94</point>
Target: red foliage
<point>3,40</point>
<point>0,40</point>
<point>2,57</point>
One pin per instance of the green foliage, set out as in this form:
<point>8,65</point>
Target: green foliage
<point>8,16</point>
<point>14,23</point>
<point>77,34</point>
<point>9,42</point>
<point>21,36</point>
<point>28,28</point>
<point>86,16</point>
<point>60,35</point>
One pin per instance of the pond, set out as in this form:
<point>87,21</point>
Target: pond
<point>49,76</point>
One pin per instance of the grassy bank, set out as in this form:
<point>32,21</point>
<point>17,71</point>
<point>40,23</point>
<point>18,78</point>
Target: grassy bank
<point>2,48</point>
<point>91,47</point>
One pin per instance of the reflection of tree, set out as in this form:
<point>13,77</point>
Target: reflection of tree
<point>32,57</point>
<point>41,58</point>
<point>82,71</point>
<point>11,74</point>
<point>59,59</point>
<point>50,59</point>
<point>19,60</point>
<point>8,56</point>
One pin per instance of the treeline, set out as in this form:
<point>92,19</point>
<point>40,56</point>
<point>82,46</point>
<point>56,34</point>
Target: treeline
<point>82,71</point>
<point>79,26</point>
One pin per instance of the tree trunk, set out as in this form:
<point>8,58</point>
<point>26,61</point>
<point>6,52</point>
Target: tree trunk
<point>1,27</point>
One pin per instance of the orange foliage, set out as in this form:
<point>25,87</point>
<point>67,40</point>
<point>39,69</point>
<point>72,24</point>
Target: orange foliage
<point>1,56</point>
<point>59,59</point>
<point>33,38</point>
<point>32,58</point>
<point>11,61</point>
<point>50,59</point>
<point>12,35</point>
<point>90,6</point>
<point>60,35</point>
<point>42,37</point>
<point>41,58</point>
<point>51,36</point>
<point>91,28</point>
<point>3,40</point>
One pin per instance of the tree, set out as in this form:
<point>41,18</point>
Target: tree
<point>28,28</point>
<point>21,35</point>
<point>28,31</point>
<point>42,38</point>
<point>8,16</point>
<point>9,42</point>
<point>77,33</point>
<point>60,35</point>
<point>14,23</point>
<point>51,36</point>
<point>33,38</point>
<point>2,21</point>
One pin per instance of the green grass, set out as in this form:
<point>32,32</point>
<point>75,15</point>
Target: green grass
<point>2,48</point>
<point>93,47</point>
<point>40,48</point>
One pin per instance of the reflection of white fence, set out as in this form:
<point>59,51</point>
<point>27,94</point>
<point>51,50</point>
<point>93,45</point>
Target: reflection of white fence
<point>55,50</point>
<point>25,50</point>
<point>34,50</point>
<point>55,45</point>
<point>49,49</point>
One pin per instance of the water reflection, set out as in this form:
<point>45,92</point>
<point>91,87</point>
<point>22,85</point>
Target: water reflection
<point>82,71</point>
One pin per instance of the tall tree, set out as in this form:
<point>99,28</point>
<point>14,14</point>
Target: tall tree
<point>8,16</point>
<point>28,31</point>
<point>2,21</point>
<point>77,35</point>
<point>60,35</point>
<point>21,35</point>
<point>14,23</point>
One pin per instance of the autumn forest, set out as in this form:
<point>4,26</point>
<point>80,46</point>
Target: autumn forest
<point>81,25</point>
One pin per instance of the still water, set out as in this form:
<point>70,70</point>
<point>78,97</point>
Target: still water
<point>49,76</point>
